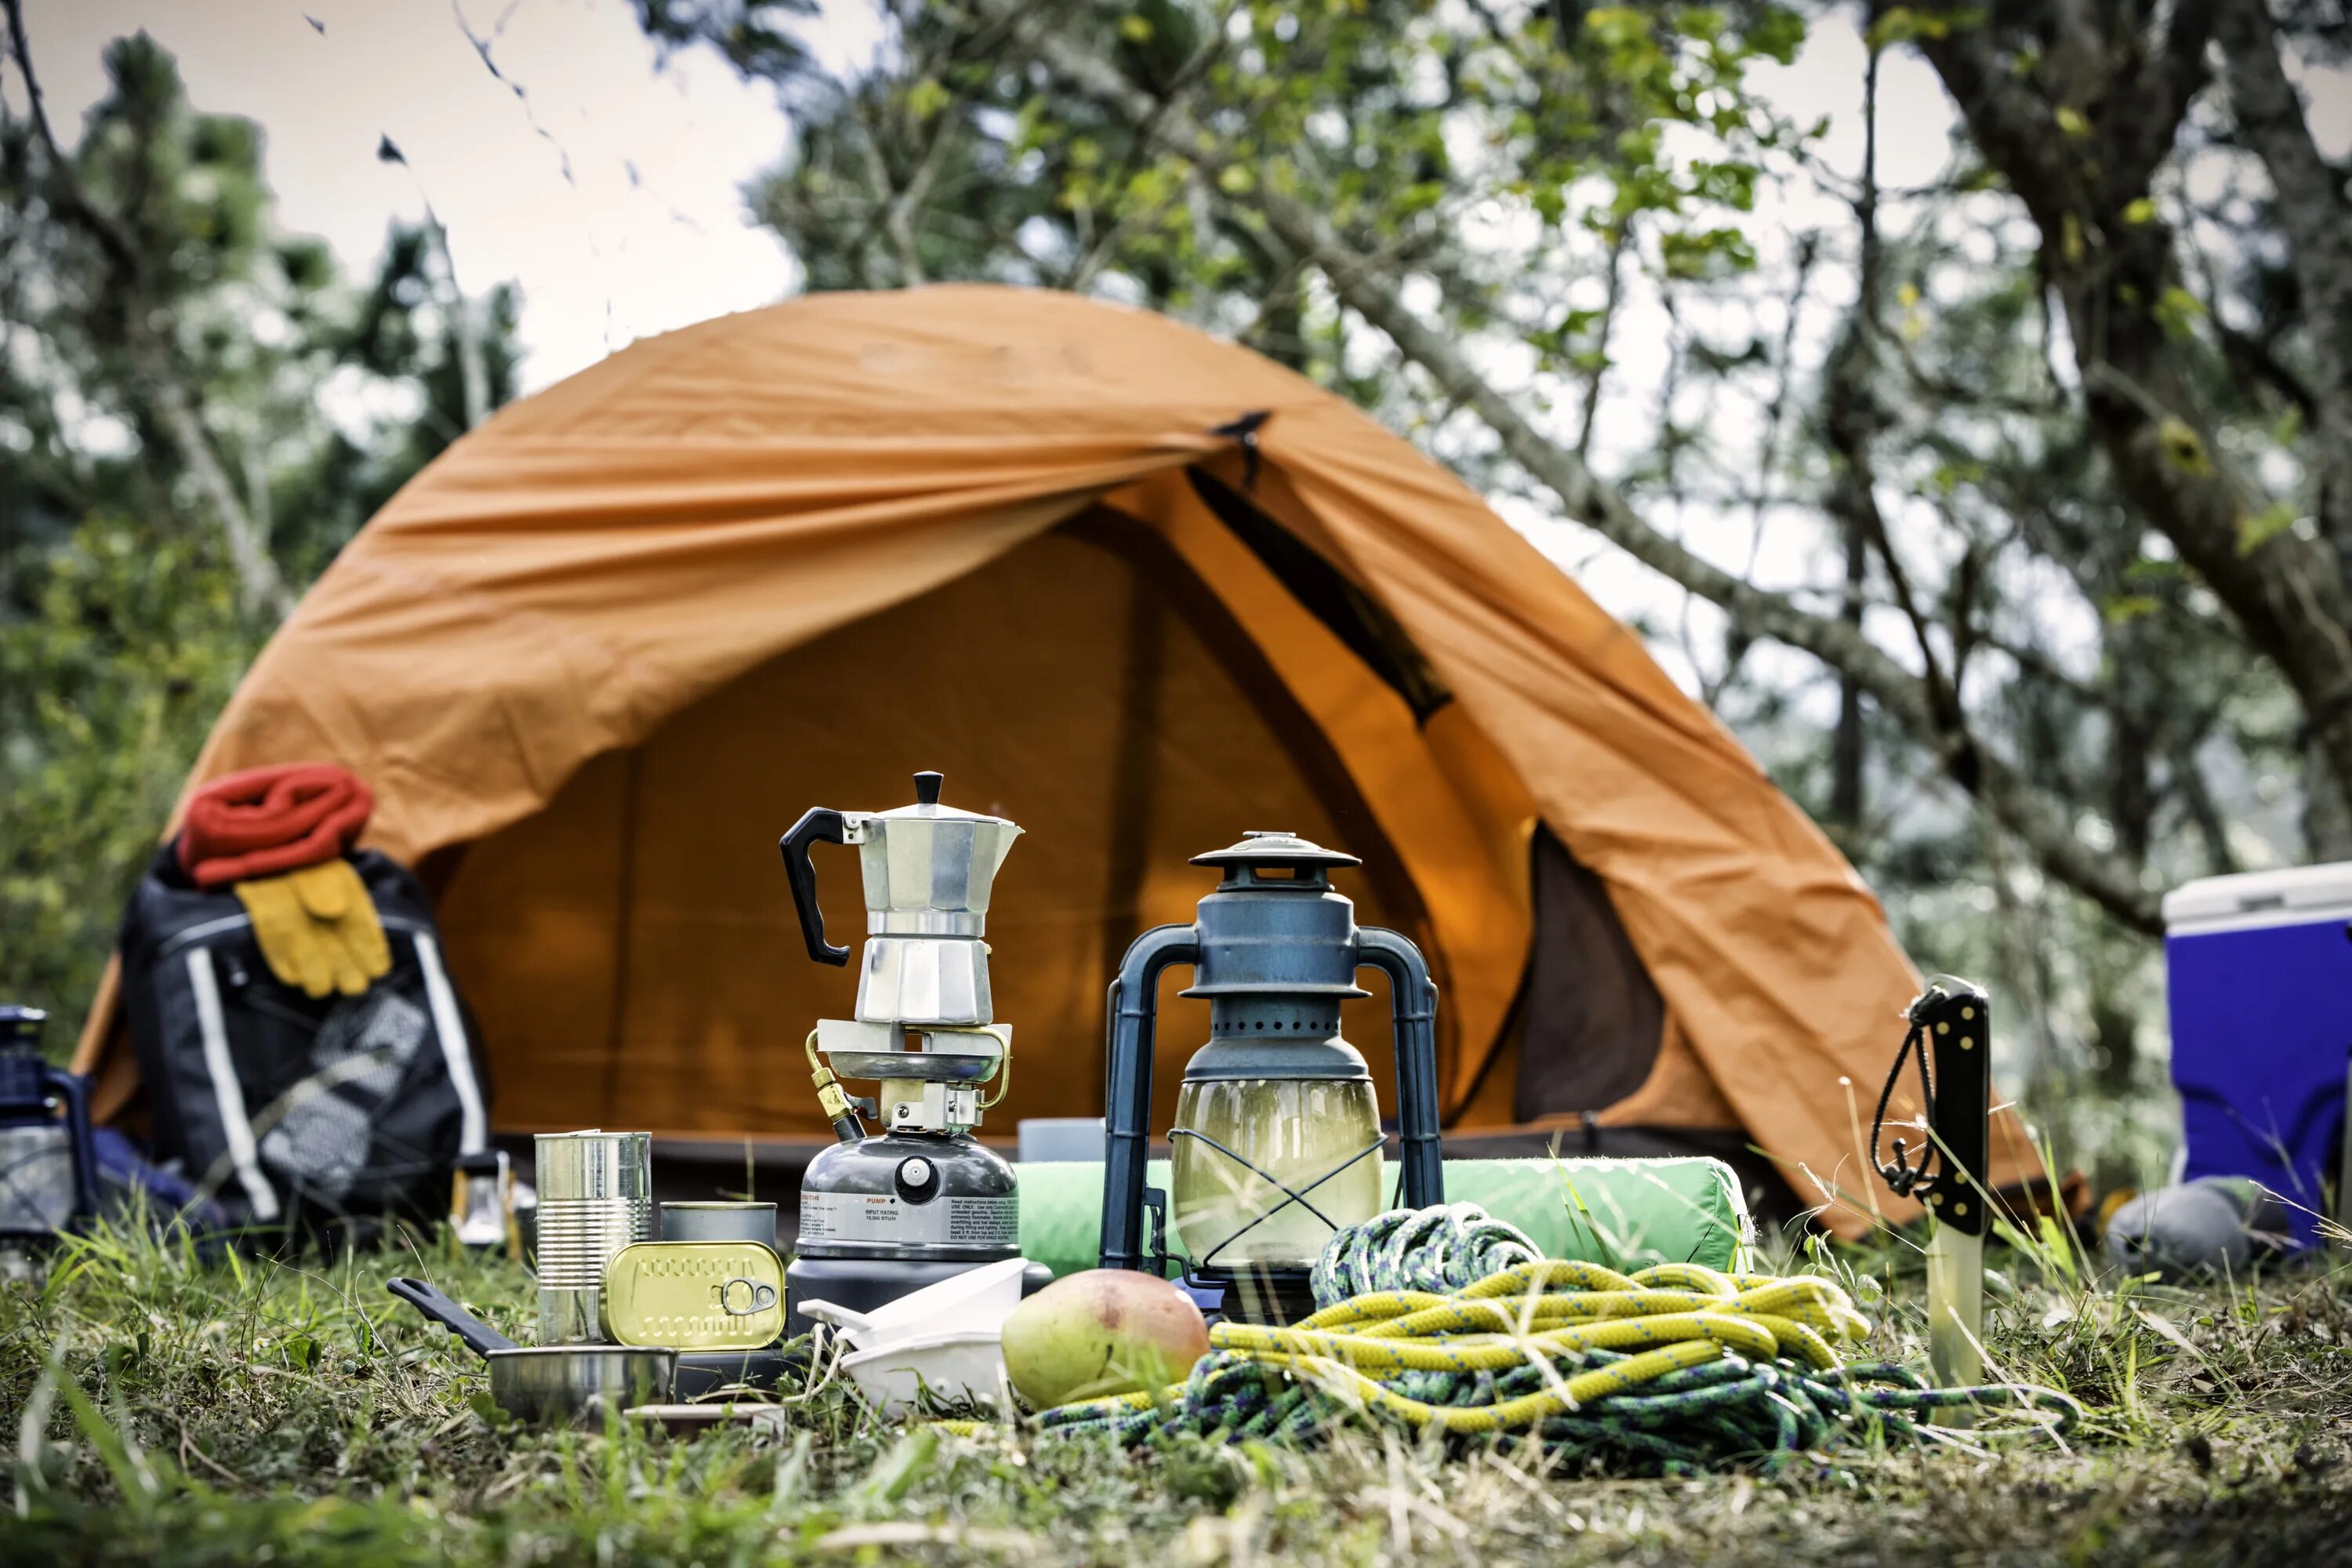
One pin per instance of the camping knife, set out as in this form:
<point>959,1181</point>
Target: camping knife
<point>1957,1019</point>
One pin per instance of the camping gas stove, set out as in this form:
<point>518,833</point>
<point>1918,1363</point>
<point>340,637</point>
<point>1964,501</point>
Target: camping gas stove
<point>885,1214</point>
<point>922,1199</point>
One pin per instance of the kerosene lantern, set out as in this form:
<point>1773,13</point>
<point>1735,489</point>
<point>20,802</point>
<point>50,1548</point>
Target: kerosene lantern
<point>48,1173</point>
<point>1278,1139</point>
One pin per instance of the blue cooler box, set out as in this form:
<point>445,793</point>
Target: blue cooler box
<point>2260,978</point>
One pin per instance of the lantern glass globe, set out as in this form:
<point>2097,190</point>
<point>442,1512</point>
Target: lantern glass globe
<point>1295,1132</point>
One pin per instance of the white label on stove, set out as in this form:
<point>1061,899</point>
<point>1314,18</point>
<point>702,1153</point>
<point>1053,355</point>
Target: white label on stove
<point>882,1217</point>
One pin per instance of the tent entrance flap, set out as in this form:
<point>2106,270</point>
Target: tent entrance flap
<point>1368,632</point>
<point>1594,1019</point>
<point>631,950</point>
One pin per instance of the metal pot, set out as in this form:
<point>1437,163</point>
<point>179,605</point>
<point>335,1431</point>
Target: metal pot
<point>718,1222</point>
<point>725,1376</point>
<point>554,1384</point>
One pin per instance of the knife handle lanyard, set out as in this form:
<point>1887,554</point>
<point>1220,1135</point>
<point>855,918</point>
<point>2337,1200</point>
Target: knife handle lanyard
<point>1951,1028</point>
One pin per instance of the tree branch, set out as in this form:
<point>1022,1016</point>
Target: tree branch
<point>151,355</point>
<point>2029,814</point>
<point>2110,269</point>
<point>2311,211</point>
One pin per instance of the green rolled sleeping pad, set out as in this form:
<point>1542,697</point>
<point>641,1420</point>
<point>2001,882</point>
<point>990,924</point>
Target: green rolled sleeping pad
<point>1623,1214</point>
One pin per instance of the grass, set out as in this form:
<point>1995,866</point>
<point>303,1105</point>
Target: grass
<point>164,1410</point>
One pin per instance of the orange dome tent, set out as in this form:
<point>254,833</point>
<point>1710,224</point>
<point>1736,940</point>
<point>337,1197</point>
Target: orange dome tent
<point>1139,590</point>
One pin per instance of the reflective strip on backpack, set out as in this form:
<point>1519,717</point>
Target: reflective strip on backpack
<point>451,1027</point>
<point>228,1097</point>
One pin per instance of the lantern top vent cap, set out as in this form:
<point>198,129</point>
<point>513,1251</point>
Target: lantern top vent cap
<point>1274,847</point>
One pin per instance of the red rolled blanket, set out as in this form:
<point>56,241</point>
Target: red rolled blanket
<point>265,821</point>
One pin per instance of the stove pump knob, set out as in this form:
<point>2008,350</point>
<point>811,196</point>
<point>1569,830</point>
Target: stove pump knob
<point>916,1182</point>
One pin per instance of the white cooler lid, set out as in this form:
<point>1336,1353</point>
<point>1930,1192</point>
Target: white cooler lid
<point>2295,896</point>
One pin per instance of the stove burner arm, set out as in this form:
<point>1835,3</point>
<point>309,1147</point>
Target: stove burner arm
<point>839,1109</point>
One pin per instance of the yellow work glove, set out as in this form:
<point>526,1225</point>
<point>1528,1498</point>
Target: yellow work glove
<point>317,929</point>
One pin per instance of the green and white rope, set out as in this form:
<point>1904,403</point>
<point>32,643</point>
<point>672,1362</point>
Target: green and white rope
<point>1451,1319</point>
<point>1436,1249</point>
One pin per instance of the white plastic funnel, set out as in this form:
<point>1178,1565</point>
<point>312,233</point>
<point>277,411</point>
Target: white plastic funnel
<point>951,1366</point>
<point>975,1302</point>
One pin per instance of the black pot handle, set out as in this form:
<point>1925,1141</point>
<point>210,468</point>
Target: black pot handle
<point>478,1336</point>
<point>819,826</point>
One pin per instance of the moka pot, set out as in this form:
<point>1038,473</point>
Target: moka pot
<point>928,871</point>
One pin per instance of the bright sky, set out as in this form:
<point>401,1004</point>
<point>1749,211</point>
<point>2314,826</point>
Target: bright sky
<point>649,231</point>
<point>648,234</point>
<point>612,192</point>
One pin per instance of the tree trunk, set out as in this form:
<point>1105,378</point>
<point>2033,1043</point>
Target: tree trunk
<point>1850,436</point>
<point>2111,267</point>
<point>1369,287</point>
<point>261,589</point>
<point>2311,210</point>
<point>464,332</point>
<point>1846,803</point>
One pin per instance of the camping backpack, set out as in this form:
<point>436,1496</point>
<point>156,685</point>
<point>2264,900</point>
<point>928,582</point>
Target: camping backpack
<point>291,1110</point>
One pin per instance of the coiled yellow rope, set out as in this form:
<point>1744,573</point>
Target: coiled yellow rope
<point>1668,1318</point>
<point>1675,1367</point>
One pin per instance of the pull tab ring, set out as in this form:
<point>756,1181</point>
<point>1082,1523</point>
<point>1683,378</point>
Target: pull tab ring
<point>763,1297</point>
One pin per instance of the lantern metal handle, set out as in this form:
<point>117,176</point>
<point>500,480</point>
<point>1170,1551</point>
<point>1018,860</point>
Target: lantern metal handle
<point>1413,1002</point>
<point>1127,1100</point>
<point>1132,1008</point>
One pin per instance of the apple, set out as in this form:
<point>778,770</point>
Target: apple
<point>1101,1332</point>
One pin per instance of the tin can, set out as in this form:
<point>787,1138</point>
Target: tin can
<point>719,1222</point>
<point>695,1295</point>
<point>595,1197</point>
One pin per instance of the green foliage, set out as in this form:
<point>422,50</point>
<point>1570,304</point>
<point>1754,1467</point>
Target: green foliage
<point>186,1413</point>
<point>2266,526</point>
<point>123,624</point>
<point>2178,312</point>
<point>1392,115</point>
<point>755,35</point>
<point>107,687</point>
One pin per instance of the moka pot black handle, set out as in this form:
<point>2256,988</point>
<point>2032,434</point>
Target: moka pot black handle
<point>820,826</point>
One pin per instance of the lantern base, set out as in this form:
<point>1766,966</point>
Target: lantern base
<point>1271,1296</point>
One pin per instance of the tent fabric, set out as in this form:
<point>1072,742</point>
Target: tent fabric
<point>609,644</point>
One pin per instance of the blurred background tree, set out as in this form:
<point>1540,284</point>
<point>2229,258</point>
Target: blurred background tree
<point>195,412</point>
<point>2000,516</point>
<point>2006,514</point>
